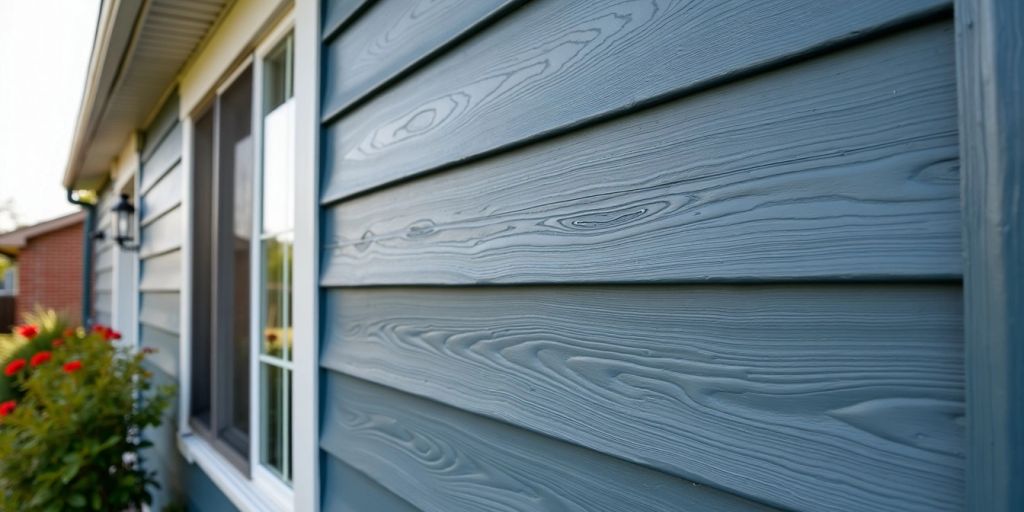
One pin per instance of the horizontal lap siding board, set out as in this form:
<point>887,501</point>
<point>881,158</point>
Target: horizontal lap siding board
<point>667,155</point>
<point>162,196</point>
<point>166,156</point>
<point>391,36</point>
<point>338,12</point>
<point>847,397</point>
<point>443,459</point>
<point>159,310</point>
<point>104,256</point>
<point>161,273</point>
<point>165,344</point>
<point>103,267</point>
<point>553,64</point>
<point>352,491</point>
<point>162,234</point>
<point>837,168</point>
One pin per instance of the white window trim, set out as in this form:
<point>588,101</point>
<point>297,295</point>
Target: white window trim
<point>305,279</point>
<point>261,475</point>
<point>264,491</point>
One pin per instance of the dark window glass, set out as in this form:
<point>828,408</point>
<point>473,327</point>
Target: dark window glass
<point>223,156</point>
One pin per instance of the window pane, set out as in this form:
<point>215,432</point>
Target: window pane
<point>235,173</point>
<point>202,273</point>
<point>277,297</point>
<point>278,164</point>
<point>277,72</point>
<point>278,175</point>
<point>272,384</point>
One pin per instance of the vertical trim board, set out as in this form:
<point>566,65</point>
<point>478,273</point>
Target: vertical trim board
<point>991,79</point>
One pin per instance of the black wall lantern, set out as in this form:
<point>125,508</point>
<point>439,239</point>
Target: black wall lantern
<point>124,224</point>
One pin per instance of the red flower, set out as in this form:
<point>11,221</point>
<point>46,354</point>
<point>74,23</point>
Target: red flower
<point>7,407</point>
<point>56,343</point>
<point>14,367</point>
<point>27,331</point>
<point>72,366</point>
<point>69,332</point>
<point>39,358</point>
<point>107,333</point>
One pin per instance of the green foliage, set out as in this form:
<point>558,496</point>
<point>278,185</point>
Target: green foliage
<point>73,439</point>
<point>14,346</point>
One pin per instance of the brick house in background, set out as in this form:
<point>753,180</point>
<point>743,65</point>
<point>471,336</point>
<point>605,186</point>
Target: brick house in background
<point>48,258</point>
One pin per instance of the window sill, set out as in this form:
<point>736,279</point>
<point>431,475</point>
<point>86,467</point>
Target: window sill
<point>243,492</point>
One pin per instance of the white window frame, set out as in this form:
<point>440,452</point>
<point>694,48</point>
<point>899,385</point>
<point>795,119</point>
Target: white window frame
<point>261,490</point>
<point>260,474</point>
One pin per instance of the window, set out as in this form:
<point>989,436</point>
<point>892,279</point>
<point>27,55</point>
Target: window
<point>275,256</point>
<point>242,200</point>
<point>222,202</point>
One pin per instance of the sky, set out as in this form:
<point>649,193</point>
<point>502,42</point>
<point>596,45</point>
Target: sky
<point>44,52</point>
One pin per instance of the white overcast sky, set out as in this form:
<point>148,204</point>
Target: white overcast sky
<point>44,52</point>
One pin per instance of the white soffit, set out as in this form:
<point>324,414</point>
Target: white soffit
<point>140,47</point>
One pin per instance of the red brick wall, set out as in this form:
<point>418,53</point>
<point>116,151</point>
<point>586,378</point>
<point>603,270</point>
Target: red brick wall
<point>50,273</point>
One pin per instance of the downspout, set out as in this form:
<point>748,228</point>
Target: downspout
<point>90,226</point>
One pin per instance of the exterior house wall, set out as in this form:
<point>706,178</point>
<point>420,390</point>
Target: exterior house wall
<point>589,255</point>
<point>159,213</point>
<point>49,267</point>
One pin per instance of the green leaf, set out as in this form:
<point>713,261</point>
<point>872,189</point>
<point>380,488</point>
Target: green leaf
<point>76,500</point>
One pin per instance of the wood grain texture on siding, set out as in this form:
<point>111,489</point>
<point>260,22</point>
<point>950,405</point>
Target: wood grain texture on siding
<point>347,490</point>
<point>162,196</point>
<point>553,64</point>
<point>390,36</point>
<point>810,397</point>
<point>162,234</point>
<point>166,345</point>
<point>841,167</point>
<point>165,156</point>
<point>338,12</point>
<point>443,459</point>
<point>160,310</point>
<point>161,273</point>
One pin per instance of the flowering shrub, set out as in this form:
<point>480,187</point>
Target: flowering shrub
<point>70,428</point>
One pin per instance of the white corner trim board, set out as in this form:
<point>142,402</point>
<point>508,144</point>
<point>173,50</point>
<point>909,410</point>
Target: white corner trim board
<point>305,415</point>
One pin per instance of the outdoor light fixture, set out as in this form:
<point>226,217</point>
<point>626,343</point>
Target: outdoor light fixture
<point>124,224</point>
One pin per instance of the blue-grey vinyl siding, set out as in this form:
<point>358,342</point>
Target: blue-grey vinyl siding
<point>159,205</point>
<point>658,255</point>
